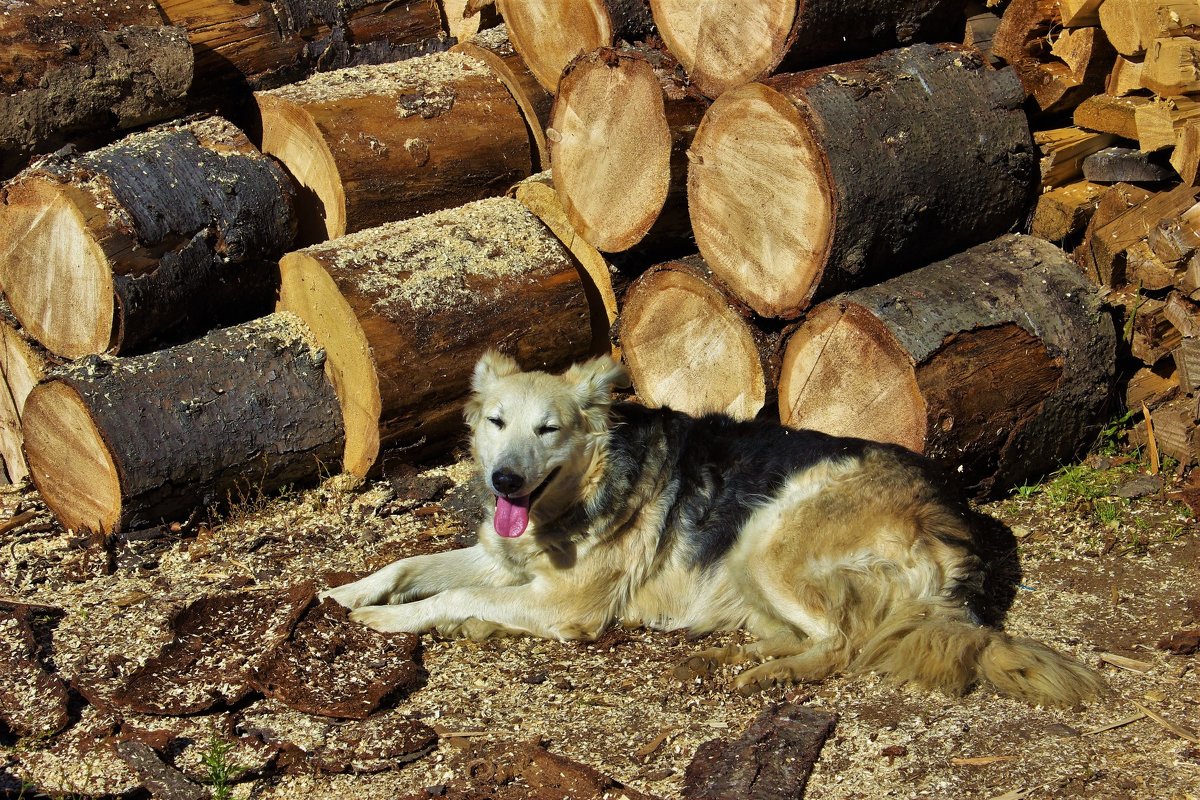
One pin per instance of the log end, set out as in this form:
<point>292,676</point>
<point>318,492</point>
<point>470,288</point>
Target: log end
<point>69,461</point>
<point>548,35</point>
<point>292,137</point>
<point>843,373</point>
<point>724,45</point>
<point>56,276</point>
<point>687,349</point>
<point>761,200</point>
<point>611,150</point>
<point>308,291</point>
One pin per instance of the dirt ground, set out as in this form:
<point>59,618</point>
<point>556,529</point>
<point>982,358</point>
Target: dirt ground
<point>1102,577</point>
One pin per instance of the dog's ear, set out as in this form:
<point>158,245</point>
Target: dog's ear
<point>491,367</point>
<point>594,380</point>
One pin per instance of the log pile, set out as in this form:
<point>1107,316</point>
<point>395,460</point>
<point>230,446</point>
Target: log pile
<point>1120,186</point>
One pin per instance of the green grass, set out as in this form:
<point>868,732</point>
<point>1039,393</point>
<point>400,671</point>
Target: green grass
<point>222,772</point>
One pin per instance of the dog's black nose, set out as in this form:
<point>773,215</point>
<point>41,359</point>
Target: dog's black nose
<point>507,481</point>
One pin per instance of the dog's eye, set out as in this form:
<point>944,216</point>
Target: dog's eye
<point>546,430</point>
<point>499,423</point>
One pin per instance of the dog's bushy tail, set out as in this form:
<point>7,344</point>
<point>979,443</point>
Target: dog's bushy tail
<point>938,646</point>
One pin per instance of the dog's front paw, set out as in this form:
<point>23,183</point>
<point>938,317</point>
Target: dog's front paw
<point>386,619</point>
<point>361,593</point>
<point>475,629</point>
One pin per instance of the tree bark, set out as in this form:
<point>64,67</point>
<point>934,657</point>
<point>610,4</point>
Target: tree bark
<point>169,231</point>
<point>690,345</point>
<point>259,44</point>
<point>996,362</point>
<point>119,443</point>
<point>370,145</point>
<point>605,283</point>
<point>406,309</point>
<point>23,364</point>
<point>1058,71</point>
<point>549,34</point>
<point>621,126</point>
<point>493,48</point>
<point>812,183</point>
<point>80,72</point>
<point>723,45</point>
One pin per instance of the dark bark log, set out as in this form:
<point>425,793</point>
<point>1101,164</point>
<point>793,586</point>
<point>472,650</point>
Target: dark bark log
<point>83,71</point>
<point>119,443</point>
<point>167,232</point>
<point>996,362</point>
<point>425,297</point>
<point>736,42</point>
<point>1117,164</point>
<point>808,184</point>
<point>690,345</point>
<point>620,169</point>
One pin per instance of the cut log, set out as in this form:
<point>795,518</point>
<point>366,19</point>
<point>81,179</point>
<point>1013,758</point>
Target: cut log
<point>375,144</point>
<point>723,45</point>
<point>1062,214</point>
<point>1133,25</point>
<point>1059,67</point>
<point>120,443</point>
<point>1125,77</point>
<point>1159,121</point>
<point>996,362</point>
<point>1111,239</point>
<point>1187,363</point>
<point>690,345</point>
<point>1080,13</point>
<point>464,19</point>
<point>1146,271</point>
<point>1185,158</point>
<point>1152,336</point>
<point>1175,431</point>
<point>23,364</point>
<point>425,297</point>
<point>493,48</point>
<point>1114,202</point>
<point>1116,164</point>
<point>622,123</point>
<point>1172,66</point>
<point>258,44</point>
<point>807,184</point>
<point>608,283</point>
<point>166,232</point>
<point>1109,114</point>
<point>82,71</point>
<point>1152,386</point>
<point>1184,314</point>
<point>549,34</point>
<point>1063,152</point>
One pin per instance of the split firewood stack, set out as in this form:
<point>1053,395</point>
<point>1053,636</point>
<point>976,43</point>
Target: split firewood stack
<point>1115,84</point>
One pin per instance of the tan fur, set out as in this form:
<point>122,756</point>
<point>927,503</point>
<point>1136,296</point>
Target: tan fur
<point>848,567</point>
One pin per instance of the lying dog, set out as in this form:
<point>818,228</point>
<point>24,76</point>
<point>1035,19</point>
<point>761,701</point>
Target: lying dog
<point>837,554</point>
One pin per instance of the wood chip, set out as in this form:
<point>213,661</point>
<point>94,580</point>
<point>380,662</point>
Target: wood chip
<point>1175,728</point>
<point>1126,663</point>
<point>980,760</point>
<point>1120,723</point>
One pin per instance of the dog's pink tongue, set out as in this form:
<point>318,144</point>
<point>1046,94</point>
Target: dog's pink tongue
<point>512,516</point>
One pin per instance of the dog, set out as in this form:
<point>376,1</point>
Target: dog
<point>836,554</point>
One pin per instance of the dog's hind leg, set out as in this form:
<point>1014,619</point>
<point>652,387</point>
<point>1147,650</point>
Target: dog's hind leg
<point>818,659</point>
<point>705,662</point>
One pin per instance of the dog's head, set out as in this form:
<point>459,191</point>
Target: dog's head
<point>531,429</point>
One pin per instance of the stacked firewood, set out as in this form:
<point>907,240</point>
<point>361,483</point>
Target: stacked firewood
<point>1119,183</point>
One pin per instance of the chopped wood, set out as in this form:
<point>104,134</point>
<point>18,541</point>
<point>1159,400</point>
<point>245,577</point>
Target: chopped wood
<point>1117,164</point>
<point>1175,239</point>
<point>1187,364</point>
<point>1119,723</point>
<point>23,364</point>
<point>1113,203</point>
<point>1159,121</point>
<point>969,390</point>
<point>620,169</point>
<point>979,32</point>
<point>1124,78</point>
<point>786,195</point>
<point>1184,313</point>
<point>1185,158</point>
<point>1110,241</point>
<point>374,144</point>
<point>1109,114</point>
<point>1126,663</point>
<point>1074,66</point>
<point>493,48</point>
<point>1183,733</point>
<point>1153,337</point>
<point>1152,386</point>
<point>1171,431</point>
<point>1146,270</point>
<point>1063,212</point>
<point>1080,13</point>
<point>981,760</point>
<point>1064,150</point>
<point>1172,66</point>
<point>1133,25</point>
<point>549,34</point>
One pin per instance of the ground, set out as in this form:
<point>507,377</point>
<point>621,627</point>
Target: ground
<point>1103,577</point>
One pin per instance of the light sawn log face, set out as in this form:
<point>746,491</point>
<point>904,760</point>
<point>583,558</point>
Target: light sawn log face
<point>815,182</point>
<point>996,362</point>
